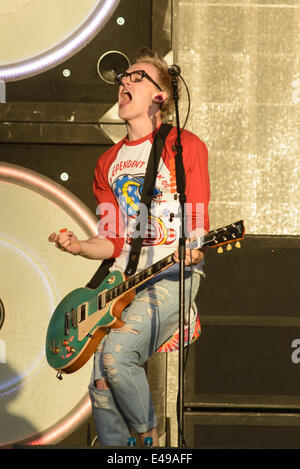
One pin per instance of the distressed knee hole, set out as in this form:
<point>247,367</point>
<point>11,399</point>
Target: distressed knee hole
<point>150,299</point>
<point>163,289</point>
<point>108,359</point>
<point>100,401</point>
<point>153,300</point>
<point>159,291</point>
<point>102,384</point>
<point>126,328</point>
<point>112,374</point>
<point>99,347</point>
<point>135,317</point>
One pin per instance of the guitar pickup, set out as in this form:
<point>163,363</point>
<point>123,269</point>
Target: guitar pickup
<point>81,313</point>
<point>73,317</point>
<point>102,298</point>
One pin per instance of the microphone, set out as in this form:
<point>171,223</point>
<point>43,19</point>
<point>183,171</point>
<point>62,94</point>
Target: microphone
<point>174,70</point>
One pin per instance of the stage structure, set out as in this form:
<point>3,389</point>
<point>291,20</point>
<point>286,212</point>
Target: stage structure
<point>240,60</point>
<point>57,116</point>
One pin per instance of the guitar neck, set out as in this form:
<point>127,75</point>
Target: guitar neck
<point>214,238</point>
<point>138,279</point>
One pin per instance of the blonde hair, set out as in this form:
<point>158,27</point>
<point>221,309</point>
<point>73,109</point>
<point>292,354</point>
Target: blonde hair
<point>146,55</point>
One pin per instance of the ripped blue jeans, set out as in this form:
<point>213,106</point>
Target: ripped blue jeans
<point>122,399</point>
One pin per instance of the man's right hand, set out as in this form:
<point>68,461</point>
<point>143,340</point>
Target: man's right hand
<point>66,241</point>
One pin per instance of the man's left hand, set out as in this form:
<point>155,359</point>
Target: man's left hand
<point>192,256</point>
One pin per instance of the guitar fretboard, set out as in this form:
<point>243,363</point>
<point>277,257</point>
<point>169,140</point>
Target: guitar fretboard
<point>213,238</point>
<point>137,279</point>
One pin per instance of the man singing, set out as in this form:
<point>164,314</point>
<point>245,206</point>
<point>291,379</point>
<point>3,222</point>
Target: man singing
<point>119,391</point>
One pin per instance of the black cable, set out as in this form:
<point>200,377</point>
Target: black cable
<point>189,103</point>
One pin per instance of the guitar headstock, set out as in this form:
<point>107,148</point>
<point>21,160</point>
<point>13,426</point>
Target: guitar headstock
<point>232,233</point>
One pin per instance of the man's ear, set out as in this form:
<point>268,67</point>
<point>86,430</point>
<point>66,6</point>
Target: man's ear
<point>160,98</point>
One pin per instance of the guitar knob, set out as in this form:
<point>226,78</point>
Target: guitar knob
<point>111,279</point>
<point>72,350</point>
<point>56,350</point>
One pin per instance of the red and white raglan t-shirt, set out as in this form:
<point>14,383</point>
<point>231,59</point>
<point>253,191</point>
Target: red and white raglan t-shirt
<point>118,183</point>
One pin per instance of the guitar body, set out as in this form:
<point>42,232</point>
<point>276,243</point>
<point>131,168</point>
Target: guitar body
<point>78,325</point>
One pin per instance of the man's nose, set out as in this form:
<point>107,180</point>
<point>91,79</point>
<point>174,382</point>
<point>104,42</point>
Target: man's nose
<point>125,80</point>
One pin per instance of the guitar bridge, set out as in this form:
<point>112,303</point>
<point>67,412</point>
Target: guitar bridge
<point>70,320</point>
<point>67,323</point>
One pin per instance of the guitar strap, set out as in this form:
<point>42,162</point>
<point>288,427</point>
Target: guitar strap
<point>147,194</point>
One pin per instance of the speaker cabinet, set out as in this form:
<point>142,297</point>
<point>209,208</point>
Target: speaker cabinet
<point>242,384</point>
<point>240,430</point>
<point>243,366</point>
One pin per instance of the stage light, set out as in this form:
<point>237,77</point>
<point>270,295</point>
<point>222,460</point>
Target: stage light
<point>64,177</point>
<point>66,72</point>
<point>121,21</point>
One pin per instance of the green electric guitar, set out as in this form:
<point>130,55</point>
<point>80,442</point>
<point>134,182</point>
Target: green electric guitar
<point>85,315</point>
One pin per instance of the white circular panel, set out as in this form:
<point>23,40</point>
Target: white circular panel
<point>34,405</point>
<point>39,34</point>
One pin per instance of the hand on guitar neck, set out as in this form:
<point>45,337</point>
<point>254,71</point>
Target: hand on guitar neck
<point>192,256</point>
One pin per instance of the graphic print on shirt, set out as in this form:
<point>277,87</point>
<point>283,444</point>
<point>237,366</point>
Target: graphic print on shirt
<point>128,190</point>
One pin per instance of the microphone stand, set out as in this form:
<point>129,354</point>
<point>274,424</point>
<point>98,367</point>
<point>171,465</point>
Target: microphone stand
<point>174,70</point>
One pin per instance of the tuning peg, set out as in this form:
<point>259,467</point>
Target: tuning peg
<point>238,244</point>
<point>220,250</point>
<point>229,247</point>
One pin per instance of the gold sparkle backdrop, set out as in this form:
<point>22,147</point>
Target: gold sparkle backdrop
<point>240,59</point>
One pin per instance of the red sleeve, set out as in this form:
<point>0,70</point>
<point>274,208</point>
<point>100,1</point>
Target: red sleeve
<point>195,160</point>
<point>110,224</point>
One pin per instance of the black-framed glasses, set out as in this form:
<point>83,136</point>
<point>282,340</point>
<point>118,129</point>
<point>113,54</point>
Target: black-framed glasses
<point>135,77</point>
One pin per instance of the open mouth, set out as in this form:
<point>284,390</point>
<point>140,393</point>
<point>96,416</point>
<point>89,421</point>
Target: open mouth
<point>125,97</point>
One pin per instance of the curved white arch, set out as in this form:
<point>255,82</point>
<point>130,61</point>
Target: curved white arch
<point>53,191</point>
<point>64,200</point>
<point>65,49</point>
